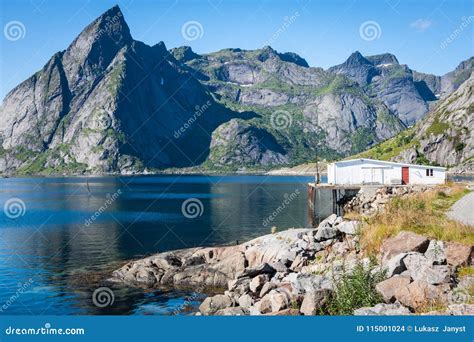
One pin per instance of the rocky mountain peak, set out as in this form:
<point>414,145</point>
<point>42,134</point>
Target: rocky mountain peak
<point>382,59</point>
<point>184,53</point>
<point>355,59</point>
<point>96,46</point>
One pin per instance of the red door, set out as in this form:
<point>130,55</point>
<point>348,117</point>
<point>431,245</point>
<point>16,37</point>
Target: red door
<point>405,175</point>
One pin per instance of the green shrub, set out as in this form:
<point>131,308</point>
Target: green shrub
<point>459,146</point>
<point>356,290</point>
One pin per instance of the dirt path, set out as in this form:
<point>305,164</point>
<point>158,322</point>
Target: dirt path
<point>463,210</point>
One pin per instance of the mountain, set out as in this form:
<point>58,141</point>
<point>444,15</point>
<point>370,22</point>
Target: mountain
<point>444,137</point>
<point>442,86</point>
<point>111,104</point>
<point>108,103</point>
<point>321,113</point>
<point>408,93</point>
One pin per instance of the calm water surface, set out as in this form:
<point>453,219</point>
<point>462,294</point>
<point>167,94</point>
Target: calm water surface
<point>72,232</point>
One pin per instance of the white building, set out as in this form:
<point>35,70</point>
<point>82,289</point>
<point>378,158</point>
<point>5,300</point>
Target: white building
<point>369,171</point>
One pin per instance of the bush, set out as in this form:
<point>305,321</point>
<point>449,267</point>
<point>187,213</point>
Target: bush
<point>356,290</point>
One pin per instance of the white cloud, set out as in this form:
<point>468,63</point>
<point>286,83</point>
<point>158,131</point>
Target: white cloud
<point>421,24</point>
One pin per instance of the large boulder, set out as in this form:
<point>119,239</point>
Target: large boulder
<point>421,268</point>
<point>404,242</point>
<point>458,254</point>
<point>418,294</point>
<point>211,305</point>
<point>390,287</point>
<point>326,233</point>
<point>395,265</point>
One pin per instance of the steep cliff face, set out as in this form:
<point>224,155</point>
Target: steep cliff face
<point>108,104</point>
<point>320,112</point>
<point>446,136</point>
<point>408,93</point>
<point>392,83</point>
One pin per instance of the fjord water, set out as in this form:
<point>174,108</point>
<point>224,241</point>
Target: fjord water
<point>73,231</point>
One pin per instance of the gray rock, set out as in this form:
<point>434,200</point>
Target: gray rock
<point>460,310</point>
<point>314,301</point>
<point>328,221</point>
<point>211,305</point>
<point>279,299</point>
<point>435,275</point>
<point>239,285</point>
<point>236,311</point>
<point>435,252</point>
<point>348,227</point>
<point>257,270</point>
<point>390,287</point>
<point>326,233</point>
<point>415,263</point>
<point>421,268</point>
<point>303,283</point>
<point>395,265</point>
<point>257,282</point>
<point>245,301</point>
<point>404,242</point>
<point>383,309</point>
<point>266,288</point>
<point>263,306</point>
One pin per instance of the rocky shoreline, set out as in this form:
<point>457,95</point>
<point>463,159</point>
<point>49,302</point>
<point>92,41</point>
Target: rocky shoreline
<point>298,272</point>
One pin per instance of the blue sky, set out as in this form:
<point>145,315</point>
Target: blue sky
<point>325,33</point>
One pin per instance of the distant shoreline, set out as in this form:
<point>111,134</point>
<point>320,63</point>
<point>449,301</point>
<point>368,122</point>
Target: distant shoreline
<point>276,172</point>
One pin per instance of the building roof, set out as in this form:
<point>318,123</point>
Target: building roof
<point>383,162</point>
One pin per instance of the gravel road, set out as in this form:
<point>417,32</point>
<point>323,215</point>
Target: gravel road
<point>463,210</point>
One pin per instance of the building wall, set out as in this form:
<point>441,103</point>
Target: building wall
<point>418,176</point>
<point>357,172</point>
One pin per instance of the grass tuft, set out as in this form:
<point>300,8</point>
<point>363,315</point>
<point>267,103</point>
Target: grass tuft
<point>355,290</point>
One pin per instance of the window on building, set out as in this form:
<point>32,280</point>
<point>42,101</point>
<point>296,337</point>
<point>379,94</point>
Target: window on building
<point>429,172</point>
